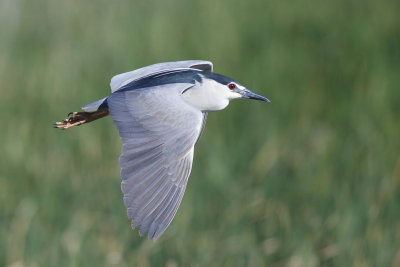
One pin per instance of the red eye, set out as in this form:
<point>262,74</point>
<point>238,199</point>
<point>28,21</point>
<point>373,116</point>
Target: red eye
<point>232,86</point>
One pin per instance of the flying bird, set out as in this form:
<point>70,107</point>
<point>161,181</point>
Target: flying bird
<point>160,112</point>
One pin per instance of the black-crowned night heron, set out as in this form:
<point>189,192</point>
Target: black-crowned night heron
<point>160,112</point>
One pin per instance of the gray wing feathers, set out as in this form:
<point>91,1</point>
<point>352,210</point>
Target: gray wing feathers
<point>158,130</point>
<point>124,78</point>
<point>94,106</point>
<point>203,124</point>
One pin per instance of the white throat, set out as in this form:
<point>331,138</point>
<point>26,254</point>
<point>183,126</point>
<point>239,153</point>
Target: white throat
<point>209,95</point>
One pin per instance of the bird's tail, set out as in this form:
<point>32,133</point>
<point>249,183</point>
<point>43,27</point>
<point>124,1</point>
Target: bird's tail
<point>79,118</point>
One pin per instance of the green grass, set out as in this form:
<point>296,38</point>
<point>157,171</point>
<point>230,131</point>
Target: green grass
<point>311,179</point>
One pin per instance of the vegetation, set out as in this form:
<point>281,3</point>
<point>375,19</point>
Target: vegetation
<point>311,179</point>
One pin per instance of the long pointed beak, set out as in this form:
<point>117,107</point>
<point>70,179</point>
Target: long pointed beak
<point>251,95</point>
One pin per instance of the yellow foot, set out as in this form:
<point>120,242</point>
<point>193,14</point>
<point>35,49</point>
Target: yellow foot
<point>74,119</point>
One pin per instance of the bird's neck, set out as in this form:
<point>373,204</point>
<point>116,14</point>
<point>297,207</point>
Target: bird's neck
<point>207,96</point>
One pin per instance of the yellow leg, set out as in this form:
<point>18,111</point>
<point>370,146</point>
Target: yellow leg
<point>79,118</point>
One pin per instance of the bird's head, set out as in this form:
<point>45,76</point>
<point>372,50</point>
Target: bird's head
<point>215,91</point>
<point>236,90</point>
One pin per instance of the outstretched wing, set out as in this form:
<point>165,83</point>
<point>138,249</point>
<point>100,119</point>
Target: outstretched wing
<point>124,78</point>
<point>158,130</point>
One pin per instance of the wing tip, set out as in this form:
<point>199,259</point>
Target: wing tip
<point>151,235</point>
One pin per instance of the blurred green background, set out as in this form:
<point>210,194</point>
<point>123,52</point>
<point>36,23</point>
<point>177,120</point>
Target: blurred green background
<point>311,179</point>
